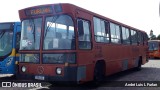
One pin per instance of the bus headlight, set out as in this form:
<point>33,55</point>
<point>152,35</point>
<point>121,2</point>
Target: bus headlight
<point>9,61</point>
<point>23,69</point>
<point>59,71</point>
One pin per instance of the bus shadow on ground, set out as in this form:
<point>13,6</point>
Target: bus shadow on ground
<point>108,82</point>
<point>115,80</point>
<point>7,77</point>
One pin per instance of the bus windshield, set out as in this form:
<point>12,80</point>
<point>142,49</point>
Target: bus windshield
<point>5,42</point>
<point>31,33</point>
<point>153,46</point>
<point>59,33</point>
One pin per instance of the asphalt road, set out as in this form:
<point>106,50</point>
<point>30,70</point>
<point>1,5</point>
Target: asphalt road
<point>145,79</point>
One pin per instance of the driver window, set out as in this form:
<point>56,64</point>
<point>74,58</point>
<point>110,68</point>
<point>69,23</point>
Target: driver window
<point>84,35</point>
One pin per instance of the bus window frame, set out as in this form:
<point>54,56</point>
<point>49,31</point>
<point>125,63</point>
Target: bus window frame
<point>90,33</point>
<point>43,31</point>
<point>59,53</point>
<point>134,43</point>
<point>106,22</point>
<point>32,17</point>
<point>30,53</point>
<point>120,33</point>
<point>129,33</point>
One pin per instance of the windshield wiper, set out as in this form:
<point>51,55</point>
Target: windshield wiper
<point>50,24</point>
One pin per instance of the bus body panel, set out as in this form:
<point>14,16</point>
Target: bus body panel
<point>7,68</point>
<point>117,57</point>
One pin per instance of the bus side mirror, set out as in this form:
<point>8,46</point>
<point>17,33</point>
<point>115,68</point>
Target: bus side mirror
<point>80,28</point>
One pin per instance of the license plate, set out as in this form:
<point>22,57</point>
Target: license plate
<point>39,77</point>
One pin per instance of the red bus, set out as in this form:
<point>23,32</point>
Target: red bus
<point>63,42</point>
<point>154,50</point>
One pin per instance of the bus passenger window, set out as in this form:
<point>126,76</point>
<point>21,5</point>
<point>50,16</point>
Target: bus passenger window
<point>84,35</point>
<point>134,37</point>
<point>140,38</point>
<point>101,30</point>
<point>115,33</point>
<point>145,36</point>
<point>125,35</point>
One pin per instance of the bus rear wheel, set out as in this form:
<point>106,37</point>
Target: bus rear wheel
<point>139,67</point>
<point>99,72</point>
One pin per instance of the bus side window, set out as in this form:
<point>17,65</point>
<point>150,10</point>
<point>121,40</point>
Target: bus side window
<point>134,37</point>
<point>101,30</point>
<point>140,38</point>
<point>115,33</point>
<point>80,28</point>
<point>125,35</point>
<point>84,35</point>
<point>107,32</point>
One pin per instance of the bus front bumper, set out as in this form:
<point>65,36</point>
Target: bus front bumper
<point>71,74</point>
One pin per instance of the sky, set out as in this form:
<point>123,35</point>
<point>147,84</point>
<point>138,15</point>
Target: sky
<point>141,14</point>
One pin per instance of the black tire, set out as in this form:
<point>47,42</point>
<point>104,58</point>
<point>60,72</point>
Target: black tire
<point>139,67</point>
<point>99,73</point>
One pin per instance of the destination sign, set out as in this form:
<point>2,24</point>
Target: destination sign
<point>39,10</point>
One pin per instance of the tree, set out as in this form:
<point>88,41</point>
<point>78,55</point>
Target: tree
<point>152,36</point>
<point>151,33</point>
<point>158,37</point>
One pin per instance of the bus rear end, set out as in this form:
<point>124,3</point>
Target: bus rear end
<point>154,49</point>
<point>47,45</point>
<point>9,44</point>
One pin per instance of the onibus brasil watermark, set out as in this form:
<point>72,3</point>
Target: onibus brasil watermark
<point>21,84</point>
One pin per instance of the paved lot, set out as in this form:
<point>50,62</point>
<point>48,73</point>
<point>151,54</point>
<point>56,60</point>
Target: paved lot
<point>150,72</point>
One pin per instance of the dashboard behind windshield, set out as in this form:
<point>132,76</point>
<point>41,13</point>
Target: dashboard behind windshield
<point>59,33</point>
